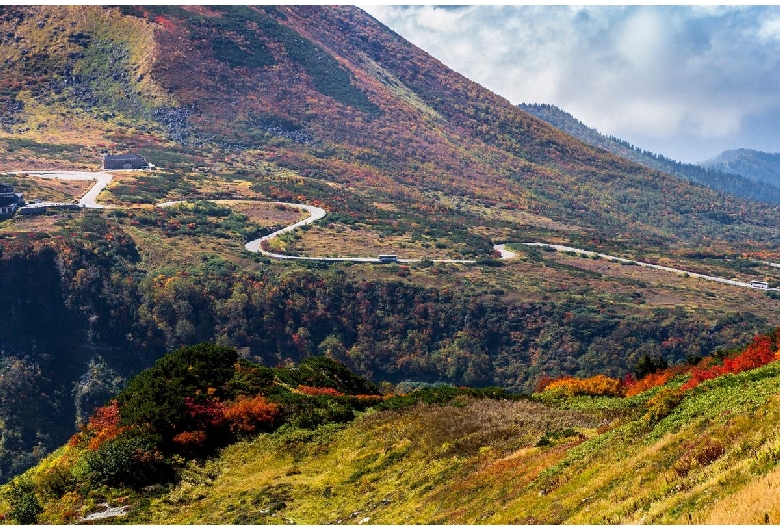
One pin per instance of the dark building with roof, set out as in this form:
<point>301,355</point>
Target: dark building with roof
<point>125,162</point>
<point>9,200</point>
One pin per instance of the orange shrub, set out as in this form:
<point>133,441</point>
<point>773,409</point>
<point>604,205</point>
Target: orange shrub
<point>316,391</point>
<point>250,414</point>
<point>654,380</point>
<point>599,385</point>
<point>103,425</point>
<point>189,439</point>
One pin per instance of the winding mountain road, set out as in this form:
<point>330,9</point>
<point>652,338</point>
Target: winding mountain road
<point>315,215</point>
<point>102,179</point>
<point>590,253</point>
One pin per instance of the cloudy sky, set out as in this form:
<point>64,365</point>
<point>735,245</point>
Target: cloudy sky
<point>686,82</point>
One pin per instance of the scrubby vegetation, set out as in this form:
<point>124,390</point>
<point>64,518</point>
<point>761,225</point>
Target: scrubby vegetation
<point>191,403</point>
<point>316,444</point>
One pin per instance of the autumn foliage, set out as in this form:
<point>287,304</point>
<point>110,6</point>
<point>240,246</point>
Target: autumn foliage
<point>653,380</point>
<point>189,439</point>
<point>102,426</point>
<point>315,391</point>
<point>249,415</point>
<point>763,350</point>
<point>599,385</point>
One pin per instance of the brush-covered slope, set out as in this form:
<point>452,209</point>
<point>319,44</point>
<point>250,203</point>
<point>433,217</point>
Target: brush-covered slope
<point>334,95</point>
<point>717,173</point>
<point>679,446</point>
<point>754,165</point>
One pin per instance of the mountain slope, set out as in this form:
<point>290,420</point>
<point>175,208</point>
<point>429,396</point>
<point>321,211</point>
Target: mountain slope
<point>754,165</point>
<point>366,107</point>
<point>716,174</point>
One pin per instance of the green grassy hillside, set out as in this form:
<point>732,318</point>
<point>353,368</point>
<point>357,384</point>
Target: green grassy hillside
<point>674,453</point>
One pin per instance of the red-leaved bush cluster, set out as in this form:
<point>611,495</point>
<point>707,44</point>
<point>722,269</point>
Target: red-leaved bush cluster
<point>763,350</point>
<point>634,387</point>
<point>102,426</point>
<point>209,417</point>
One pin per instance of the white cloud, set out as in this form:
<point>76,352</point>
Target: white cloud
<point>770,29</point>
<point>681,78</point>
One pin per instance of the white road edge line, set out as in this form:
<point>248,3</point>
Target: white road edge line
<point>590,253</point>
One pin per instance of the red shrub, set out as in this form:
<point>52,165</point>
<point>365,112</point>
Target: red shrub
<point>760,352</point>
<point>249,415</point>
<point>544,382</point>
<point>654,380</point>
<point>103,426</point>
<point>209,413</point>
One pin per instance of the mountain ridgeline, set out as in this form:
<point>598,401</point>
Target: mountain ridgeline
<point>331,94</point>
<point>240,108</point>
<point>744,173</point>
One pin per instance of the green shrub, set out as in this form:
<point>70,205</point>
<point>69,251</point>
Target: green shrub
<point>324,372</point>
<point>250,379</point>
<point>25,507</point>
<point>130,461</point>
<point>155,397</point>
<point>662,404</point>
<point>56,480</point>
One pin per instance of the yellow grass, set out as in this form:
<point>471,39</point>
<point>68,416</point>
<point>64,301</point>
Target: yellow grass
<point>757,502</point>
<point>345,241</point>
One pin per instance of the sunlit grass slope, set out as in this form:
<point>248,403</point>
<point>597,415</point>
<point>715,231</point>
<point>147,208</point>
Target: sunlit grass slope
<point>712,459</point>
<point>673,454</point>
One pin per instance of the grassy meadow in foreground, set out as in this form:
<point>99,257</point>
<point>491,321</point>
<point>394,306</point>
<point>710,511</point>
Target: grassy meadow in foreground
<point>696,444</point>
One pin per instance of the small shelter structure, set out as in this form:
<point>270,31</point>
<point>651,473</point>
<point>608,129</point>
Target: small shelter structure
<point>9,200</point>
<point>125,162</point>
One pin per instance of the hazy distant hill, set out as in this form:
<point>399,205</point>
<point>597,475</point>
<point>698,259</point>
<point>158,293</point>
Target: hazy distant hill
<point>754,165</point>
<point>742,172</point>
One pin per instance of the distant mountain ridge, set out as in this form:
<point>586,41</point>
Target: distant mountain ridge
<point>742,172</point>
<point>757,166</point>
